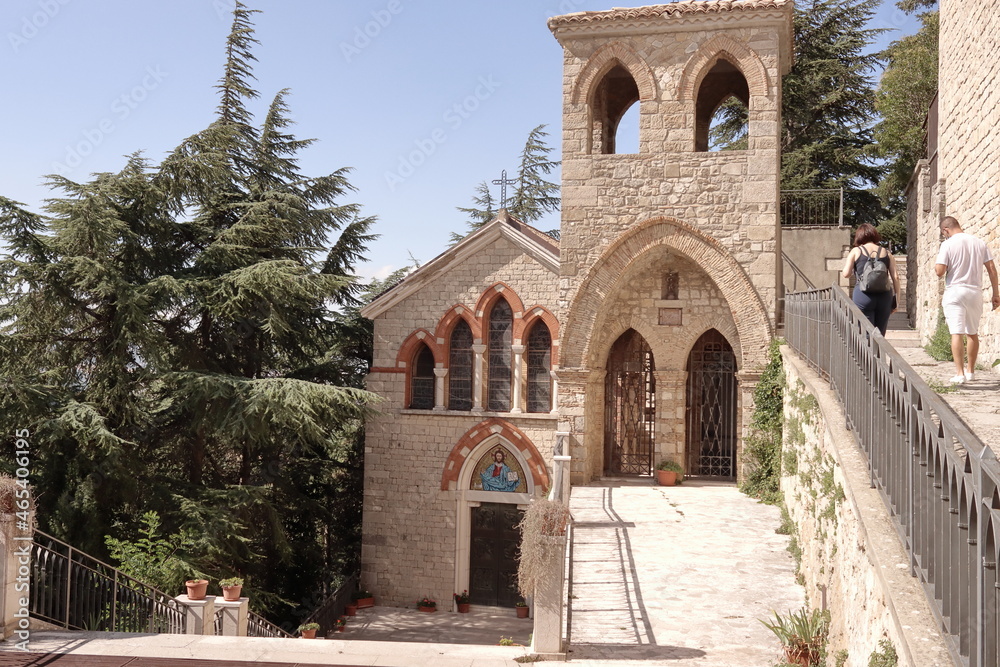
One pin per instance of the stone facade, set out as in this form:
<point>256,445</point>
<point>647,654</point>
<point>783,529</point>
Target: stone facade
<point>968,156</point>
<point>711,216</point>
<point>675,243</point>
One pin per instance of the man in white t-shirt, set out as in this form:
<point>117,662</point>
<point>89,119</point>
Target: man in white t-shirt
<point>961,261</point>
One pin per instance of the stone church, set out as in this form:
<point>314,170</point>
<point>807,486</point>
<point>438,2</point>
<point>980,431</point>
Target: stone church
<point>640,335</point>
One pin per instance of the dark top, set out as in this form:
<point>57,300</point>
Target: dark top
<point>859,263</point>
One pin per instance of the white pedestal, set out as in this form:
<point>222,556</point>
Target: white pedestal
<point>200,615</point>
<point>234,616</point>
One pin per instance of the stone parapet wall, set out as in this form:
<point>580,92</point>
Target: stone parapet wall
<point>852,561</point>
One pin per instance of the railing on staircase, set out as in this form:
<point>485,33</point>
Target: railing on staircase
<point>812,208</point>
<point>332,607</point>
<point>258,626</point>
<point>75,591</point>
<point>937,478</point>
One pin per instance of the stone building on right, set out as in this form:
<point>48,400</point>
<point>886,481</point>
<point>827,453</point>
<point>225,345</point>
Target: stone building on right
<point>961,176</point>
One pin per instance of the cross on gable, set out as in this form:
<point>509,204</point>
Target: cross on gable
<point>502,182</point>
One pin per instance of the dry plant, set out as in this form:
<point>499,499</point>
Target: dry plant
<point>543,523</point>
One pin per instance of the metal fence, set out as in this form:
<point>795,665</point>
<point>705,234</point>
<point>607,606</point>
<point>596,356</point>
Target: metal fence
<point>812,208</point>
<point>939,481</point>
<point>75,591</point>
<point>258,626</point>
<point>332,607</point>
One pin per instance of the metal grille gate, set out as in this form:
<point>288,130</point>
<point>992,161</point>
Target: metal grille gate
<point>711,407</point>
<point>630,407</point>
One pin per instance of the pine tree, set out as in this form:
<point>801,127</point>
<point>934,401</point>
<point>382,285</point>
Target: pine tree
<point>171,340</point>
<point>828,105</point>
<point>903,99</point>
<point>533,197</point>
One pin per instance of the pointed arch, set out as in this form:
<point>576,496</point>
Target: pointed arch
<point>490,296</point>
<point>409,348</point>
<point>603,60</point>
<point>448,321</point>
<point>723,47</point>
<point>749,312</point>
<point>532,315</point>
<point>487,428</point>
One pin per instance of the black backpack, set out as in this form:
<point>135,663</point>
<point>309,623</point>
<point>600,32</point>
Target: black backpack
<point>874,277</point>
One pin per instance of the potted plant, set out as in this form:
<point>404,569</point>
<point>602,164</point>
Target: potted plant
<point>426,604</point>
<point>231,589</point>
<point>463,601</point>
<point>668,472</point>
<point>341,622</point>
<point>196,588</point>
<point>802,635</point>
<point>521,607</point>
<point>363,598</point>
<point>351,608</point>
<point>308,630</point>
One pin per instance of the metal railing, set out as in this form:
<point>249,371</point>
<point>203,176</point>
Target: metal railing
<point>938,480</point>
<point>812,208</point>
<point>332,607</point>
<point>75,591</point>
<point>258,626</point>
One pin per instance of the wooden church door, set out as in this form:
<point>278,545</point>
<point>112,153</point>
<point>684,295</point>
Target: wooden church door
<point>493,554</point>
<point>629,407</point>
<point>711,407</point>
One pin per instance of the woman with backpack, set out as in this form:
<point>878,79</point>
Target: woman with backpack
<point>876,290</point>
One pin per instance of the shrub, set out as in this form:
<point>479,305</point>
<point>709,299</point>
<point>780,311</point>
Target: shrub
<point>939,347</point>
<point>762,450</point>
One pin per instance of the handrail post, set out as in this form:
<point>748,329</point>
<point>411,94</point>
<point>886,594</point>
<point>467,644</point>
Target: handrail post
<point>69,585</point>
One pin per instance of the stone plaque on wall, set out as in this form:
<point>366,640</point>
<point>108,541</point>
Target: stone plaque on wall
<point>671,316</point>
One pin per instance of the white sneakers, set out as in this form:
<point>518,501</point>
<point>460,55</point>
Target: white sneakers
<point>960,379</point>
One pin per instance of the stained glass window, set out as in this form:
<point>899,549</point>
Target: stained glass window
<point>422,380</point>
<point>539,364</point>
<point>460,368</point>
<point>498,349</point>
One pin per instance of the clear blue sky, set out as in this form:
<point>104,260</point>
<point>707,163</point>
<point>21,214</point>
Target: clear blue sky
<point>423,100</point>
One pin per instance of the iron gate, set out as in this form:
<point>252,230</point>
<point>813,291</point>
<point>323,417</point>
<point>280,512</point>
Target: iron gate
<point>711,407</point>
<point>630,407</point>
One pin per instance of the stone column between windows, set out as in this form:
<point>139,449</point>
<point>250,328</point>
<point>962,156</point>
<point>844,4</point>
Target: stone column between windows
<point>439,375</point>
<point>671,399</point>
<point>555,392</point>
<point>477,377</point>
<point>515,401</point>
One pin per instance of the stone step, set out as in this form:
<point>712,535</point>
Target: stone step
<point>901,338</point>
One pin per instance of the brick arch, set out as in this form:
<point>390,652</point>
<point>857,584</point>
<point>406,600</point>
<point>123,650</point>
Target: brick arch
<point>485,429</point>
<point>409,348</point>
<point>531,315</point>
<point>752,323</point>
<point>490,296</point>
<point>458,312</point>
<point>723,47</point>
<point>603,60</point>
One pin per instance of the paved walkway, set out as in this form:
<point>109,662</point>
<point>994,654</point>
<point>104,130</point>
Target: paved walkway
<point>662,576</point>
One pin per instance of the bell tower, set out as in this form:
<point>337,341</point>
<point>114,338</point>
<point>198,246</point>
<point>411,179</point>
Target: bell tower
<point>675,241</point>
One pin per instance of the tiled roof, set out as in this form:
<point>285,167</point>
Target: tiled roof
<point>656,11</point>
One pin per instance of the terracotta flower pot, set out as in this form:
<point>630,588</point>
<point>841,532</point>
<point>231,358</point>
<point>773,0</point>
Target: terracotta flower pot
<point>340,628</point>
<point>232,593</point>
<point>429,610</point>
<point>666,477</point>
<point>463,607</point>
<point>522,612</point>
<point>196,588</point>
<point>365,602</point>
<point>308,634</point>
<point>351,610</point>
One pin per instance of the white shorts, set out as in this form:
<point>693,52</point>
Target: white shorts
<point>963,308</point>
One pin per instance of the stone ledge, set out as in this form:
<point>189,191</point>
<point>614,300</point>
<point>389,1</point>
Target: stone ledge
<point>913,627</point>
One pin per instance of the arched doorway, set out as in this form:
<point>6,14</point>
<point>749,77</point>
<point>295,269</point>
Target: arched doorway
<point>629,407</point>
<point>711,407</point>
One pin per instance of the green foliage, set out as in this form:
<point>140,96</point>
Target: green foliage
<point>183,338</point>
<point>533,197</point>
<point>802,634</point>
<point>840,658</point>
<point>828,103</point>
<point>904,96</point>
<point>670,464</point>
<point>762,450</point>
<point>153,559</point>
<point>729,129</point>
<point>885,656</point>
<point>939,346</point>
<point>789,462</point>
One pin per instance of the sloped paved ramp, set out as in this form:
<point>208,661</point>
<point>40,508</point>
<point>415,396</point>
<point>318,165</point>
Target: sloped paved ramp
<point>676,576</point>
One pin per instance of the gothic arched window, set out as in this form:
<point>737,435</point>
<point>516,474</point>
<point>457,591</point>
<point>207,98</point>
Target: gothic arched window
<point>501,328</point>
<point>460,368</point>
<point>722,83</point>
<point>422,379</point>
<point>613,97</point>
<point>539,365</point>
